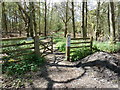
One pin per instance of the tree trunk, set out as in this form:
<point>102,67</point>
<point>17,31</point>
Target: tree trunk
<point>28,28</point>
<point>51,18</point>
<point>16,21</point>
<point>112,22</point>
<point>66,21</point>
<point>4,19</point>
<point>31,19</point>
<point>98,21</point>
<point>39,20</point>
<point>25,17</point>
<point>108,20</point>
<point>45,28</point>
<point>86,19</point>
<point>73,19</point>
<point>34,21</point>
<point>65,30</point>
<point>19,27</point>
<point>119,21</point>
<point>83,19</point>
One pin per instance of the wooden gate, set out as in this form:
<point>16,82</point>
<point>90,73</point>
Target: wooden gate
<point>46,45</point>
<point>71,43</point>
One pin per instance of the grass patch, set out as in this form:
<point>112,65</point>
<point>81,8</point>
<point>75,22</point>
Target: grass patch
<point>106,46</point>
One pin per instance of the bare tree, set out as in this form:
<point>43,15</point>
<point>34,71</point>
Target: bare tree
<point>63,11</point>
<point>25,17</point>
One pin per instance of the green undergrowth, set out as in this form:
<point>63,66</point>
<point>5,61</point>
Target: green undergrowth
<point>61,46</point>
<point>106,46</point>
<point>27,64</point>
<point>80,53</point>
<point>59,39</point>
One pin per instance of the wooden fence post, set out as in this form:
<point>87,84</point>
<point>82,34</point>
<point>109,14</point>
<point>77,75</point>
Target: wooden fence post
<point>91,43</point>
<point>52,44</point>
<point>36,45</point>
<point>68,38</point>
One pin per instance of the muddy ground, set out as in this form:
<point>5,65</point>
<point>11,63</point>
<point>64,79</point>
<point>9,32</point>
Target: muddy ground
<point>99,70</point>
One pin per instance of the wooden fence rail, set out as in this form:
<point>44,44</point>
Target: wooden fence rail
<point>8,39</point>
<point>69,43</point>
<point>20,44</point>
<point>36,42</point>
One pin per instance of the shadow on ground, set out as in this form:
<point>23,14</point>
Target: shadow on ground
<point>99,63</point>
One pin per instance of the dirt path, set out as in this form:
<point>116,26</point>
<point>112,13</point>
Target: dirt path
<point>99,70</point>
<point>63,74</point>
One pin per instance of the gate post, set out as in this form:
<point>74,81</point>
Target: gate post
<point>51,44</point>
<point>68,38</point>
<point>91,43</point>
<point>36,45</point>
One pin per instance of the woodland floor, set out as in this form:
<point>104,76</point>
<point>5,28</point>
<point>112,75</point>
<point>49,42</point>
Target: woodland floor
<point>99,70</point>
